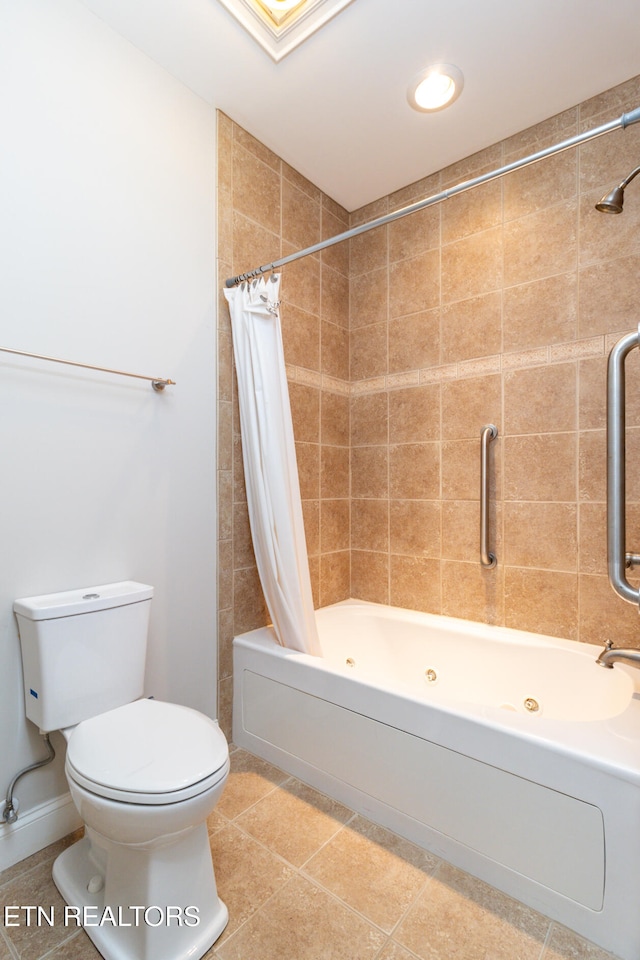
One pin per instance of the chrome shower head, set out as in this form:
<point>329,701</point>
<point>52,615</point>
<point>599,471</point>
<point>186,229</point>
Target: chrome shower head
<point>612,202</point>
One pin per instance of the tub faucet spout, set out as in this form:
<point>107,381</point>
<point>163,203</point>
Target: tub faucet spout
<point>611,654</point>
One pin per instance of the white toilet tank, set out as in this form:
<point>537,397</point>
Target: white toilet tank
<point>83,651</point>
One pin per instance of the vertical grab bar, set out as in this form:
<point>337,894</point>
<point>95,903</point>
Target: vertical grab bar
<point>617,559</point>
<point>487,434</point>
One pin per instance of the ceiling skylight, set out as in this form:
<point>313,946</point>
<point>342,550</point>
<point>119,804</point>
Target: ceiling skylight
<point>281,25</point>
<point>280,10</point>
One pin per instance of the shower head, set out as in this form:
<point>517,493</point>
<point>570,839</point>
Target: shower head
<point>612,202</point>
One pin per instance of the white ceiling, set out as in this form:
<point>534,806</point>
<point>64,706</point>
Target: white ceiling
<point>335,108</point>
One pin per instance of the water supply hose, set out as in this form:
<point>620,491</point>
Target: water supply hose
<point>10,813</point>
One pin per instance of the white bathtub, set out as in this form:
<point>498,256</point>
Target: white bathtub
<point>511,755</point>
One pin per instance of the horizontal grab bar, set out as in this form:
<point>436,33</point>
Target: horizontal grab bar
<point>158,383</point>
<point>487,434</point>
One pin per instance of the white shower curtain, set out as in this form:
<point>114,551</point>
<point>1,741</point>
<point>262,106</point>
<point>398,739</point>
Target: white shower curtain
<point>271,471</point>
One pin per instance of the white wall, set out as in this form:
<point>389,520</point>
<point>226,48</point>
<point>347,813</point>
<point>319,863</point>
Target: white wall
<point>107,255</point>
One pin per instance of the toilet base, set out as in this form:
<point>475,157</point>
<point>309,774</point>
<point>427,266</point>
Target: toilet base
<point>154,904</point>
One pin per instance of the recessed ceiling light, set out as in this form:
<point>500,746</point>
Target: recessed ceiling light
<point>436,87</point>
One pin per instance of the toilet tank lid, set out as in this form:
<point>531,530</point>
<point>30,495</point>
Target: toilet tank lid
<point>50,606</point>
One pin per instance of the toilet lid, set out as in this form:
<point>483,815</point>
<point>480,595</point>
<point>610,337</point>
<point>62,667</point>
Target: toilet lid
<point>146,750</point>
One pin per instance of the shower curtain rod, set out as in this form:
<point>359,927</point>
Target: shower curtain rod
<point>623,121</point>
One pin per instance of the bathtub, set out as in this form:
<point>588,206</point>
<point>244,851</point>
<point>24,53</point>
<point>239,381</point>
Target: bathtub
<point>511,755</point>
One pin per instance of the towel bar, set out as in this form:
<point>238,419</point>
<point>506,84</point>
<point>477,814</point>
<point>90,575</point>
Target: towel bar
<point>158,383</point>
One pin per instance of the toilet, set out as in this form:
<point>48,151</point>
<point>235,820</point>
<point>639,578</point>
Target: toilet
<point>143,774</point>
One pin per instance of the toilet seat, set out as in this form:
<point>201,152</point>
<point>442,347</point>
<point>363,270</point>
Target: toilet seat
<point>148,752</point>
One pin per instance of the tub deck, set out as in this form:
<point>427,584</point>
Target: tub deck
<point>540,805</point>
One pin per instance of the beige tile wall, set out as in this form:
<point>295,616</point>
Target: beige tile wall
<point>265,211</point>
<point>498,306</point>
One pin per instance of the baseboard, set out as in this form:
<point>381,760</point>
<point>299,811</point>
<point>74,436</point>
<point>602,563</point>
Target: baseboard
<point>37,828</point>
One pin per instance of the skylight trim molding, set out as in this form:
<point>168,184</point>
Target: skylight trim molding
<point>278,41</point>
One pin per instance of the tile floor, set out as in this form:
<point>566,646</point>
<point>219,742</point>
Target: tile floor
<point>305,878</point>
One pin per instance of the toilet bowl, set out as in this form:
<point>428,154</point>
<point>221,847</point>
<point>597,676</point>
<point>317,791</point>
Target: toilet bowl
<point>144,775</point>
<point>144,778</point>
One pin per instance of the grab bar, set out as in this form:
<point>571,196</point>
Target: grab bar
<point>617,558</point>
<point>487,434</point>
